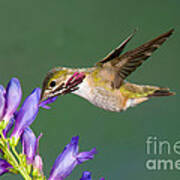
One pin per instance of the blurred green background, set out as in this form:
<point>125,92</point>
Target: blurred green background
<point>38,35</point>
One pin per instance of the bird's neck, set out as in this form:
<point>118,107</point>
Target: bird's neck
<point>84,90</point>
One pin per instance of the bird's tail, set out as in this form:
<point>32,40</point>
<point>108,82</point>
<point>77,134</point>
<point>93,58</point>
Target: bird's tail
<point>161,92</point>
<point>136,94</point>
<point>138,91</point>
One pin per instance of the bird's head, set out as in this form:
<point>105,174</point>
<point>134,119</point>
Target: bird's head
<point>60,81</point>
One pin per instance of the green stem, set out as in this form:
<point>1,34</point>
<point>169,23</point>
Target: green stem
<point>13,160</point>
<point>21,168</point>
<point>16,154</point>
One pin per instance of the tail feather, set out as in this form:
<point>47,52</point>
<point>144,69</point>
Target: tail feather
<point>139,91</point>
<point>137,94</point>
<point>161,92</point>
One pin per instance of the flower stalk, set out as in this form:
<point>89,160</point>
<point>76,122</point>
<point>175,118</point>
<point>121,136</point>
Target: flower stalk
<point>13,157</point>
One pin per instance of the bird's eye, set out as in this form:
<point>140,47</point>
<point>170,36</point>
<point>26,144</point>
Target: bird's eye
<point>53,83</point>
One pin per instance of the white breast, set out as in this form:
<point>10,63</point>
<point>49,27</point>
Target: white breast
<point>84,90</point>
<point>98,96</point>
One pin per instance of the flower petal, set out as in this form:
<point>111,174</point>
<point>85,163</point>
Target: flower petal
<point>38,164</point>
<point>29,144</point>
<point>4,166</point>
<point>48,101</point>
<point>66,161</point>
<point>84,156</point>
<point>86,176</point>
<point>27,113</point>
<point>2,101</point>
<point>13,98</point>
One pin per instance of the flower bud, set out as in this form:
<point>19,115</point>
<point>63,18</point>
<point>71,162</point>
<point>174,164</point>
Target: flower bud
<point>86,176</point>
<point>38,164</point>
<point>26,114</point>
<point>2,101</point>
<point>13,98</point>
<point>29,145</point>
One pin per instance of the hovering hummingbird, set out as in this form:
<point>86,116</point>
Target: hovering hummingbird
<point>105,85</point>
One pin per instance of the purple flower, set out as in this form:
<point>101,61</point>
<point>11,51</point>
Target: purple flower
<point>87,176</point>
<point>10,99</point>
<point>9,102</point>
<point>38,164</point>
<point>4,166</point>
<point>2,101</point>
<point>29,145</point>
<point>27,113</point>
<point>68,160</point>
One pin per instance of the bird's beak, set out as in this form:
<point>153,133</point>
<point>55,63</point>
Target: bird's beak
<point>44,96</point>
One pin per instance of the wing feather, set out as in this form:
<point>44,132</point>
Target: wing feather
<point>126,63</point>
<point>129,61</point>
<point>116,52</point>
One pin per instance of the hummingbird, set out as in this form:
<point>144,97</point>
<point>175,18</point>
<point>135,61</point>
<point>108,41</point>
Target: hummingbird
<point>105,84</point>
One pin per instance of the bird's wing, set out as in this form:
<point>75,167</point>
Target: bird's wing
<point>126,63</point>
<point>116,52</point>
